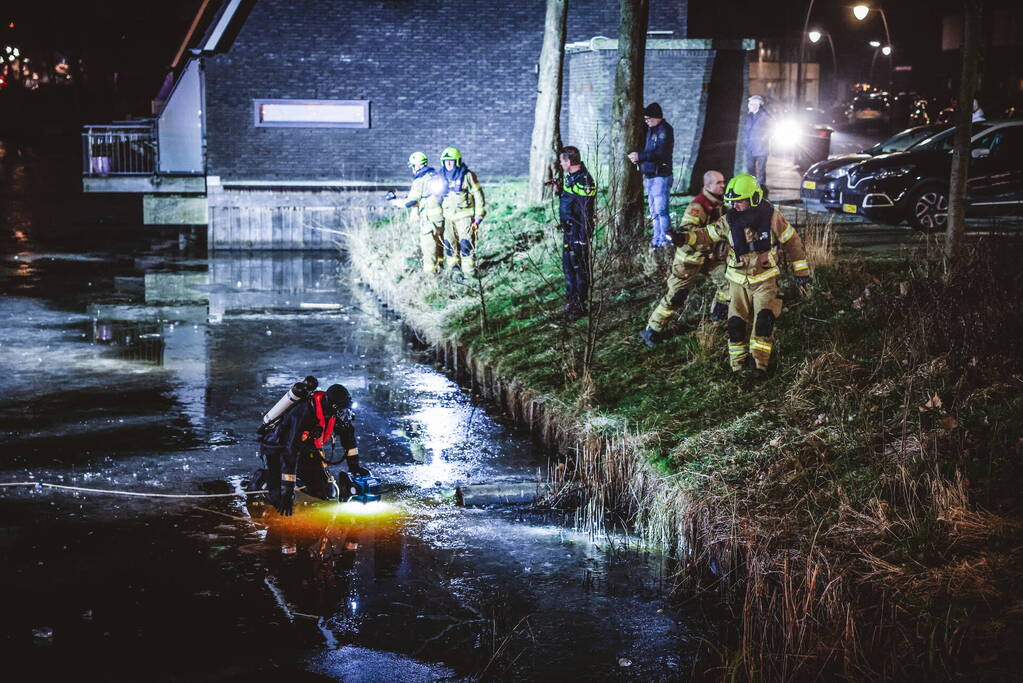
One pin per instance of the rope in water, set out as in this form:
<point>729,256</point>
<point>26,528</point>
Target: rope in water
<point>138,494</point>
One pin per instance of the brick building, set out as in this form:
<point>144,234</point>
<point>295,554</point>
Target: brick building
<point>294,109</point>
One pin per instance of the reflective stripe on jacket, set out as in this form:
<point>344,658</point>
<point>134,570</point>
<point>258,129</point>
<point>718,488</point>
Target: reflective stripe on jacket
<point>422,197</point>
<point>751,257</point>
<point>705,208</point>
<point>576,206</point>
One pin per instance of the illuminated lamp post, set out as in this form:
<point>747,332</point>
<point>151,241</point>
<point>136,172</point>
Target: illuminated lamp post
<point>815,37</point>
<point>860,13</point>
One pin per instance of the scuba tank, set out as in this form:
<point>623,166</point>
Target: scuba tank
<point>299,391</point>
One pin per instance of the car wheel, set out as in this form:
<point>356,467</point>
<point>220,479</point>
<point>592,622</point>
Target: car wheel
<point>928,209</point>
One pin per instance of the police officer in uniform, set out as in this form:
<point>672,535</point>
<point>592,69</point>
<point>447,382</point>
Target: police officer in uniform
<point>576,209</point>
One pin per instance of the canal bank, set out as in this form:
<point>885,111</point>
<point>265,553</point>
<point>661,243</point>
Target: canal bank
<point>836,508</point>
<point>130,363</point>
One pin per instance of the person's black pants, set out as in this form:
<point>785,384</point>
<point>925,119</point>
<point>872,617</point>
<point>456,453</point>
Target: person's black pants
<point>575,264</point>
<point>311,470</point>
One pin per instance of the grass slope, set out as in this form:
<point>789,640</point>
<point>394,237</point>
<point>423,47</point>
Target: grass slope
<point>859,510</point>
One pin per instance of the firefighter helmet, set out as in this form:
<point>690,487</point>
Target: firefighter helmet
<point>417,159</point>
<point>744,186</point>
<point>451,154</point>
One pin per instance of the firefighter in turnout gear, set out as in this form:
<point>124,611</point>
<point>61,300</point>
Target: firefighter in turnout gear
<point>464,209</point>
<point>427,215</point>
<point>292,449</point>
<point>576,211</point>
<point>755,232</point>
<point>690,263</point>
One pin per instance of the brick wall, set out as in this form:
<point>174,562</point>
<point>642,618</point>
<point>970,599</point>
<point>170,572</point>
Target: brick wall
<point>436,73</point>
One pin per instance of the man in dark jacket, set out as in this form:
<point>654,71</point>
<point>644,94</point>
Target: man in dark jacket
<point>576,209</point>
<point>756,138</point>
<point>293,448</point>
<point>655,163</point>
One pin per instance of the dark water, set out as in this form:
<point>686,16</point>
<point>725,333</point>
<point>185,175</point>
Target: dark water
<point>131,361</point>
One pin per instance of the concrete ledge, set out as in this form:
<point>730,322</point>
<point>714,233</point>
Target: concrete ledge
<point>144,184</point>
<point>601,43</point>
<point>173,210</point>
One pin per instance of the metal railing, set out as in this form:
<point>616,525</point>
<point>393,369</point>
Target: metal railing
<point>119,149</point>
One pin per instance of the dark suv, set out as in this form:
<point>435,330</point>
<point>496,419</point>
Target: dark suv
<point>823,182</point>
<point>913,185</point>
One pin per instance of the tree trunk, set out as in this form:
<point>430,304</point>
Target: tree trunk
<point>963,118</point>
<point>543,151</point>
<point>627,135</point>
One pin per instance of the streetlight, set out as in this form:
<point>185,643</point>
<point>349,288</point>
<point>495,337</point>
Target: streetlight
<point>886,51</point>
<point>861,12</point>
<point>802,55</point>
<point>815,37</point>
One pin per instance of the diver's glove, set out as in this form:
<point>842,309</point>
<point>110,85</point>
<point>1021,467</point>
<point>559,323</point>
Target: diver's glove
<point>354,467</point>
<point>285,500</point>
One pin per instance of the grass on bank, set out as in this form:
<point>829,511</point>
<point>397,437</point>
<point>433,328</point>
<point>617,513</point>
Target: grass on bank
<point>859,509</point>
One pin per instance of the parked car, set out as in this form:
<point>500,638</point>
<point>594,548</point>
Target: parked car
<point>913,185</point>
<point>872,108</point>
<point>819,192</point>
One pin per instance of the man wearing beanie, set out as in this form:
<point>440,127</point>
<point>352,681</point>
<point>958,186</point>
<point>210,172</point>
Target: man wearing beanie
<point>655,163</point>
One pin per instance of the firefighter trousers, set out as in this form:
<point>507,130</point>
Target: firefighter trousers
<point>752,312</point>
<point>431,243</point>
<point>685,269</point>
<point>460,244</point>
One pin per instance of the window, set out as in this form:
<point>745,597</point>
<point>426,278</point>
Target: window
<point>311,113</point>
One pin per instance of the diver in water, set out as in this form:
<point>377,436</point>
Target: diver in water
<point>291,444</point>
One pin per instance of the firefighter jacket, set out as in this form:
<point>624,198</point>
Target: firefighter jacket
<point>705,208</point>
<point>306,428</point>
<point>422,197</point>
<point>754,237</point>
<point>655,159</point>
<point>577,204</point>
<point>462,193</point>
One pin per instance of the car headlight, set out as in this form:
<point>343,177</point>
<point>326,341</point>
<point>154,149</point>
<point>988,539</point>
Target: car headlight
<point>893,172</point>
<point>840,172</point>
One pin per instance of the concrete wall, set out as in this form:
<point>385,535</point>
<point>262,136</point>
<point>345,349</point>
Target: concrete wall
<point>244,217</point>
<point>677,76</point>
<point>436,73</point>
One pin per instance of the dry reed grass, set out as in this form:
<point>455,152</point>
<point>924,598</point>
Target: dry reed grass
<point>825,583</point>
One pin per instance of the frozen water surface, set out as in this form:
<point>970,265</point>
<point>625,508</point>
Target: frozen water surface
<point>129,363</point>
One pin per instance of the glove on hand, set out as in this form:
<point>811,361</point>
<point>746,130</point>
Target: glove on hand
<point>284,502</point>
<point>354,467</point>
<point>803,280</point>
<point>477,221</point>
<point>677,238</point>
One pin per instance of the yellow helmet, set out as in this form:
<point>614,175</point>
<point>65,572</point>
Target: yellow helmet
<point>451,154</point>
<point>744,186</point>
<point>417,159</point>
